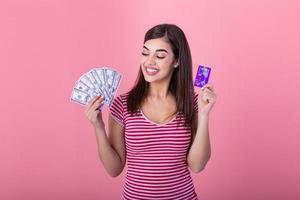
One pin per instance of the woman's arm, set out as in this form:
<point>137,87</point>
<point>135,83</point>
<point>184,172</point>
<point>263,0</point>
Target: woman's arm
<point>200,150</point>
<point>111,149</point>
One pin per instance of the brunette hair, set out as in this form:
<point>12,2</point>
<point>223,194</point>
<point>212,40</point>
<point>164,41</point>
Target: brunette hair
<point>181,83</point>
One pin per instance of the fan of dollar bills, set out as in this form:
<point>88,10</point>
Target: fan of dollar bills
<point>98,81</point>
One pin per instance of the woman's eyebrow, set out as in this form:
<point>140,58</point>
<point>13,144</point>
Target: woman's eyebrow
<point>157,49</point>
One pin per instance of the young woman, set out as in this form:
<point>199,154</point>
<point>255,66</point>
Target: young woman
<point>161,125</point>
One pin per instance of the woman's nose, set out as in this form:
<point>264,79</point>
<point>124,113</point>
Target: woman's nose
<point>150,60</point>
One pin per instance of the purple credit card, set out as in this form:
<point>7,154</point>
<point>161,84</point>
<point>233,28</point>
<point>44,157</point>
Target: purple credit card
<point>202,76</point>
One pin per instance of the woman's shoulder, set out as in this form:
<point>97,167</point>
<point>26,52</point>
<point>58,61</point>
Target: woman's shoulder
<point>122,97</point>
<point>196,94</point>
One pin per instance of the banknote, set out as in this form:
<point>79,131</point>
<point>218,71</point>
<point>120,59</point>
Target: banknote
<point>80,97</point>
<point>103,81</point>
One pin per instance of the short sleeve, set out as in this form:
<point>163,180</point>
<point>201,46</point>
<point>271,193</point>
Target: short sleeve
<point>196,102</point>
<point>117,110</point>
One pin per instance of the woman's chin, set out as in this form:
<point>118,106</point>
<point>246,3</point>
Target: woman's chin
<point>149,80</point>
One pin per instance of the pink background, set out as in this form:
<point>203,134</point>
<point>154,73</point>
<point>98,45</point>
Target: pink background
<point>48,148</point>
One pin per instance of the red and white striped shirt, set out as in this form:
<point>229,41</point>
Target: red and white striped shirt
<point>156,155</point>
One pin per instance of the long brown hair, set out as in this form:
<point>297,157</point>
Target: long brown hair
<point>181,83</point>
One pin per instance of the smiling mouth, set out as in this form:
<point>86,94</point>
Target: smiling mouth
<point>151,71</point>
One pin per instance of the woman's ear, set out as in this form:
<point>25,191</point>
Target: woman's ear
<point>176,64</point>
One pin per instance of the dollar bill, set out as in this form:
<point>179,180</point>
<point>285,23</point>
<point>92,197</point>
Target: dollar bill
<point>80,97</point>
<point>98,81</point>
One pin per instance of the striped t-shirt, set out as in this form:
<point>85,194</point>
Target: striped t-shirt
<point>156,155</point>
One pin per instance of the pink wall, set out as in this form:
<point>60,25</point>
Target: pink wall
<point>48,148</point>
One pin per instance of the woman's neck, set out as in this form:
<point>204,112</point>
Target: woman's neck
<point>158,90</point>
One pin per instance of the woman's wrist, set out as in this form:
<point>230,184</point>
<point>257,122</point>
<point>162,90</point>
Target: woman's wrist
<point>203,115</point>
<point>99,126</point>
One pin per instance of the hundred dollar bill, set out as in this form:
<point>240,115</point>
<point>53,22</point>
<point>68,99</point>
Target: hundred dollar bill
<point>80,97</point>
<point>83,87</point>
<point>86,80</point>
<point>115,85</point>
<point>97,81</point>
<point>110,76</point>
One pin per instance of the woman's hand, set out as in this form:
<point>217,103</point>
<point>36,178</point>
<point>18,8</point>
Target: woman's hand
<point>94,113</point>
<point>206,99</point>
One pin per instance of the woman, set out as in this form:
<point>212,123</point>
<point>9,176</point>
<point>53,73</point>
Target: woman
<point>156,126</point>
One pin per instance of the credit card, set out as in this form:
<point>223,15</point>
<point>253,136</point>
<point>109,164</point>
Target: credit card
<point>202,76</point>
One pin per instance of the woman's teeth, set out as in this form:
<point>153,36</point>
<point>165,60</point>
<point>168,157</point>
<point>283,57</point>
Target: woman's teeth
<point>151,71</point>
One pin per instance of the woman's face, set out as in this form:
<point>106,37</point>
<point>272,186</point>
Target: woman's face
<point>157,60</point>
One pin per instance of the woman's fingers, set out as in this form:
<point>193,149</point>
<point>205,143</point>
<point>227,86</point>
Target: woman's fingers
<point>93,106</point>
<point>92,111</point>
<point>92,101</point>
<point>208,93</point>
<point>97,104</point>
<point>208,89</point>
<point>207,86</point>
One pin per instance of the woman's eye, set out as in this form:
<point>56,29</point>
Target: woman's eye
<point>159,57</point>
